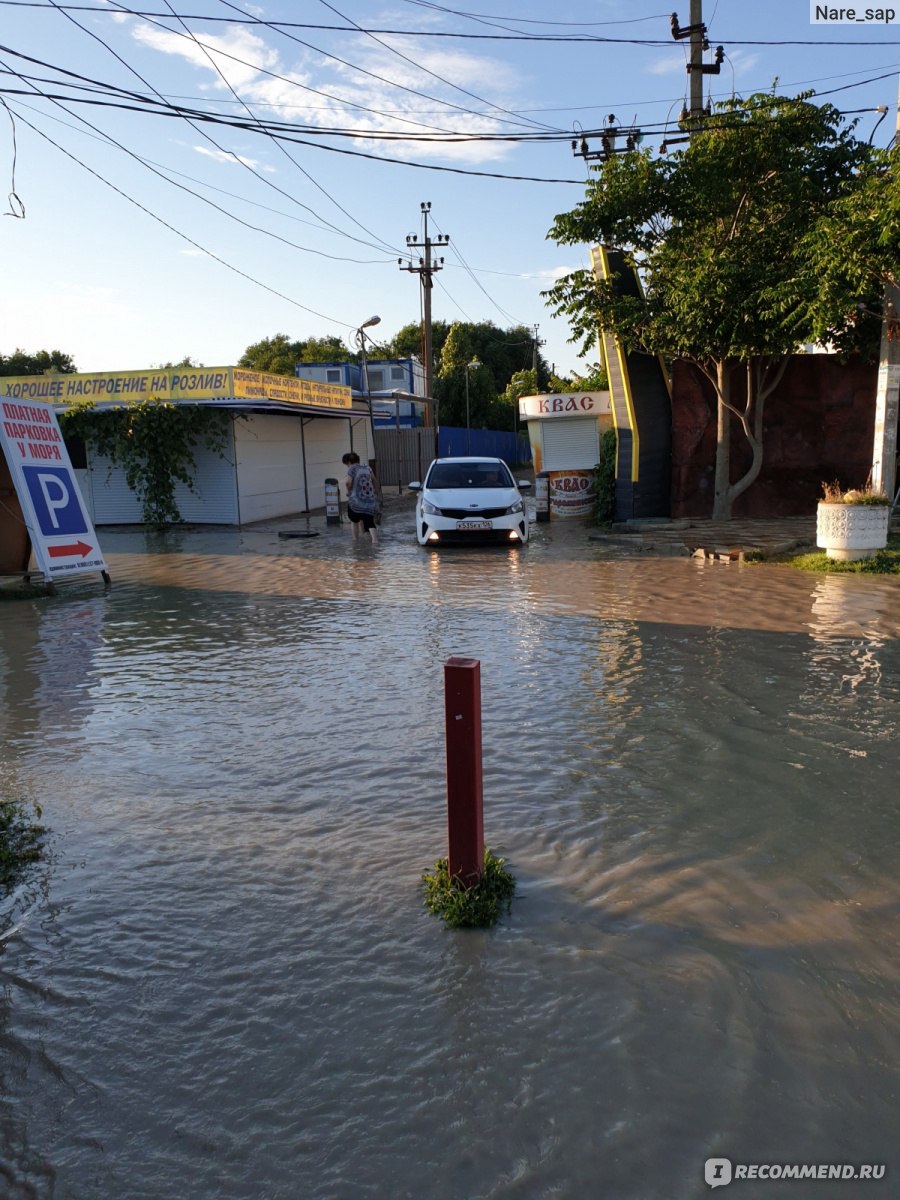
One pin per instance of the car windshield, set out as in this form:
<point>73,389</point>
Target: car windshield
<point>470,475</point>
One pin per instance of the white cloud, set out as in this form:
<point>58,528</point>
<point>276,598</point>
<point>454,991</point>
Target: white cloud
<point>674,62</point>
<point>227,157</point>
<point>118,17</point>
<point>552,274</point>
<point>668,64</point>
<point>389,94</point>
<point>238,54</point>
<point>742,61</point>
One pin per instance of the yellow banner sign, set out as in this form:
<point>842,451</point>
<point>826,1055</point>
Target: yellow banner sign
<point>180,383</point>
<point>260,385</point>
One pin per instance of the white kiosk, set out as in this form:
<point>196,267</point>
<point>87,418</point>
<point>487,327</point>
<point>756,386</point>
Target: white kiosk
<point>564,429</point>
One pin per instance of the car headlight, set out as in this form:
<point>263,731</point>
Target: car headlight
<point>430,509</point>
<point>517,507</point>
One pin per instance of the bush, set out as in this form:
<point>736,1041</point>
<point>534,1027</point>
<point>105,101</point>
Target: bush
<point>605,480</point>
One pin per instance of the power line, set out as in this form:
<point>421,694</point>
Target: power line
<point>420,67</point>
<point>232,216</point>
<point>155,216</point>
<point>287,216</point>
<point>479,284</point>
<point>575,39</point>
<point>526,21</point>
<point>164,107</point>
<point>190,121</point>
<point>621,104</point>
<point>278,144</point>
<point>279,28</point>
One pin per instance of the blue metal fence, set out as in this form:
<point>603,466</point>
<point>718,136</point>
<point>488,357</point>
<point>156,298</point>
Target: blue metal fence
<point>512,448</point>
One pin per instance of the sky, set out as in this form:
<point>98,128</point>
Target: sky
<point>187,177</point>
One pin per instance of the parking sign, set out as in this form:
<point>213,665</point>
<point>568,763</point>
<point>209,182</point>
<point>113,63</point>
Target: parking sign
<point>62,536</point>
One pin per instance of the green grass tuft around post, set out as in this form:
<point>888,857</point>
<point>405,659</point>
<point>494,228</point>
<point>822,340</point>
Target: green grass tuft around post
<point>476,907</point>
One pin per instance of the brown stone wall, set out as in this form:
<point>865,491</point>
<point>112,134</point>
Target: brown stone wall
<point>15,546</point>
<point>819,425</point>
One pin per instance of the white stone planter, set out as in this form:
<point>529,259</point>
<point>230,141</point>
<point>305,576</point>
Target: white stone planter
<point>847,531</point>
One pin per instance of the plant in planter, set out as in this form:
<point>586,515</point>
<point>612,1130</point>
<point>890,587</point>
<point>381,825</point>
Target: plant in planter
<point>852,524</point>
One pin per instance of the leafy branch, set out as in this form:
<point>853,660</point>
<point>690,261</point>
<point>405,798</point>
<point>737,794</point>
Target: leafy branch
<point>154,442</point>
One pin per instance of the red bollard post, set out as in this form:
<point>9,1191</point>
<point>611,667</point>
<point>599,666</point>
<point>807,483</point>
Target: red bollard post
<point>465,794</point>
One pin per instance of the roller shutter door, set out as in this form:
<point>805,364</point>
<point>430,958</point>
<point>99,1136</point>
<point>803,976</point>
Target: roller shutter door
<point>213,503</point>
<point>570,443</point>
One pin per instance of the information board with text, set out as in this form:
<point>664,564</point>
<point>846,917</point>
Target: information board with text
<point>62,537</point>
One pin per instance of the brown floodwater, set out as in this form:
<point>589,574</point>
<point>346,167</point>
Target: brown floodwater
<point>223,983</point>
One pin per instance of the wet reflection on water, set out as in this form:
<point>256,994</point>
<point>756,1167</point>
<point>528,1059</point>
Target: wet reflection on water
<point>225,984</point>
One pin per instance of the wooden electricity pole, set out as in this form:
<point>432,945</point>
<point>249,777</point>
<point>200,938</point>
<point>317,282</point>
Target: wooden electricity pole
<point>695,70</point>
<point>425,268</point>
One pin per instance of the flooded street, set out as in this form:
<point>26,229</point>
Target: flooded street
<point>224,985</point>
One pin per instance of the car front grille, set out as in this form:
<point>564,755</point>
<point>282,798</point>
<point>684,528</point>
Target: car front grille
<point>474,514</point>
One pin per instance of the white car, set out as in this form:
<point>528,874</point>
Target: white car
<point>471,500</point>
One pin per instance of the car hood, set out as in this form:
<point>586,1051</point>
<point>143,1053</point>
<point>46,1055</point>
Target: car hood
<point>474,498</point>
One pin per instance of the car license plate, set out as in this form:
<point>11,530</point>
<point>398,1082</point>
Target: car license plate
<point>465,526</point>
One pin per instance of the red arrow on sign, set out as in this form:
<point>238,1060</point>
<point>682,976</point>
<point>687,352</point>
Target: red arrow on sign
<point>80,548</point>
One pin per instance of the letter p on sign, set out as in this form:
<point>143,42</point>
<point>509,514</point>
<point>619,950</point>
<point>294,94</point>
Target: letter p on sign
<point>55,500</point>
<point>56,496</point>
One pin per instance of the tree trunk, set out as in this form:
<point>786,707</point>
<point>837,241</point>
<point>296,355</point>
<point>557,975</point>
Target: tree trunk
<point>722,497</point>
<point>755,401</point>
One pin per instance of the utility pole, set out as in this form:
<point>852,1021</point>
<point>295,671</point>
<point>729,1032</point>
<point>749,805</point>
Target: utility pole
<point>696,67</point>
<point>538,342</point>
<point>698,37</point>
<point>425,269</point>
<point>887,396</point>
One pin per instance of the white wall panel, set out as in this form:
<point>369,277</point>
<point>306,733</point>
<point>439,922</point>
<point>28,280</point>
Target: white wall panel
<point>327,439</point>
<point>269,466</point>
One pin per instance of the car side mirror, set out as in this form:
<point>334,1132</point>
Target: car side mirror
<point>415,486</point>
<point>523,484</point>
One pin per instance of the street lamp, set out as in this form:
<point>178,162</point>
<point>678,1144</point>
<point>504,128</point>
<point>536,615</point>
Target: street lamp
<point>473,363</point>
<point>361,341</point>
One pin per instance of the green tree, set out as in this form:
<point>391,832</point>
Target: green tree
<point>502,355</point>
<point>856,255</point>
<point>523,383</point>
<point>42,362</point>
<point>727,234</point>
<point>185,362</point>
<point>593,380</point>
<point>407,341</point>
<point>279,354</point>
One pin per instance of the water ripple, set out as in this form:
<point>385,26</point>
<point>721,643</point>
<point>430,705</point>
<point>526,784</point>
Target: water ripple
<point>226,985</point>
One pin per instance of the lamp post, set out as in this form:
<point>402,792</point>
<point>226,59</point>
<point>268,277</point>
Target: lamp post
<point>473,363</point>
<point>361,340</point>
